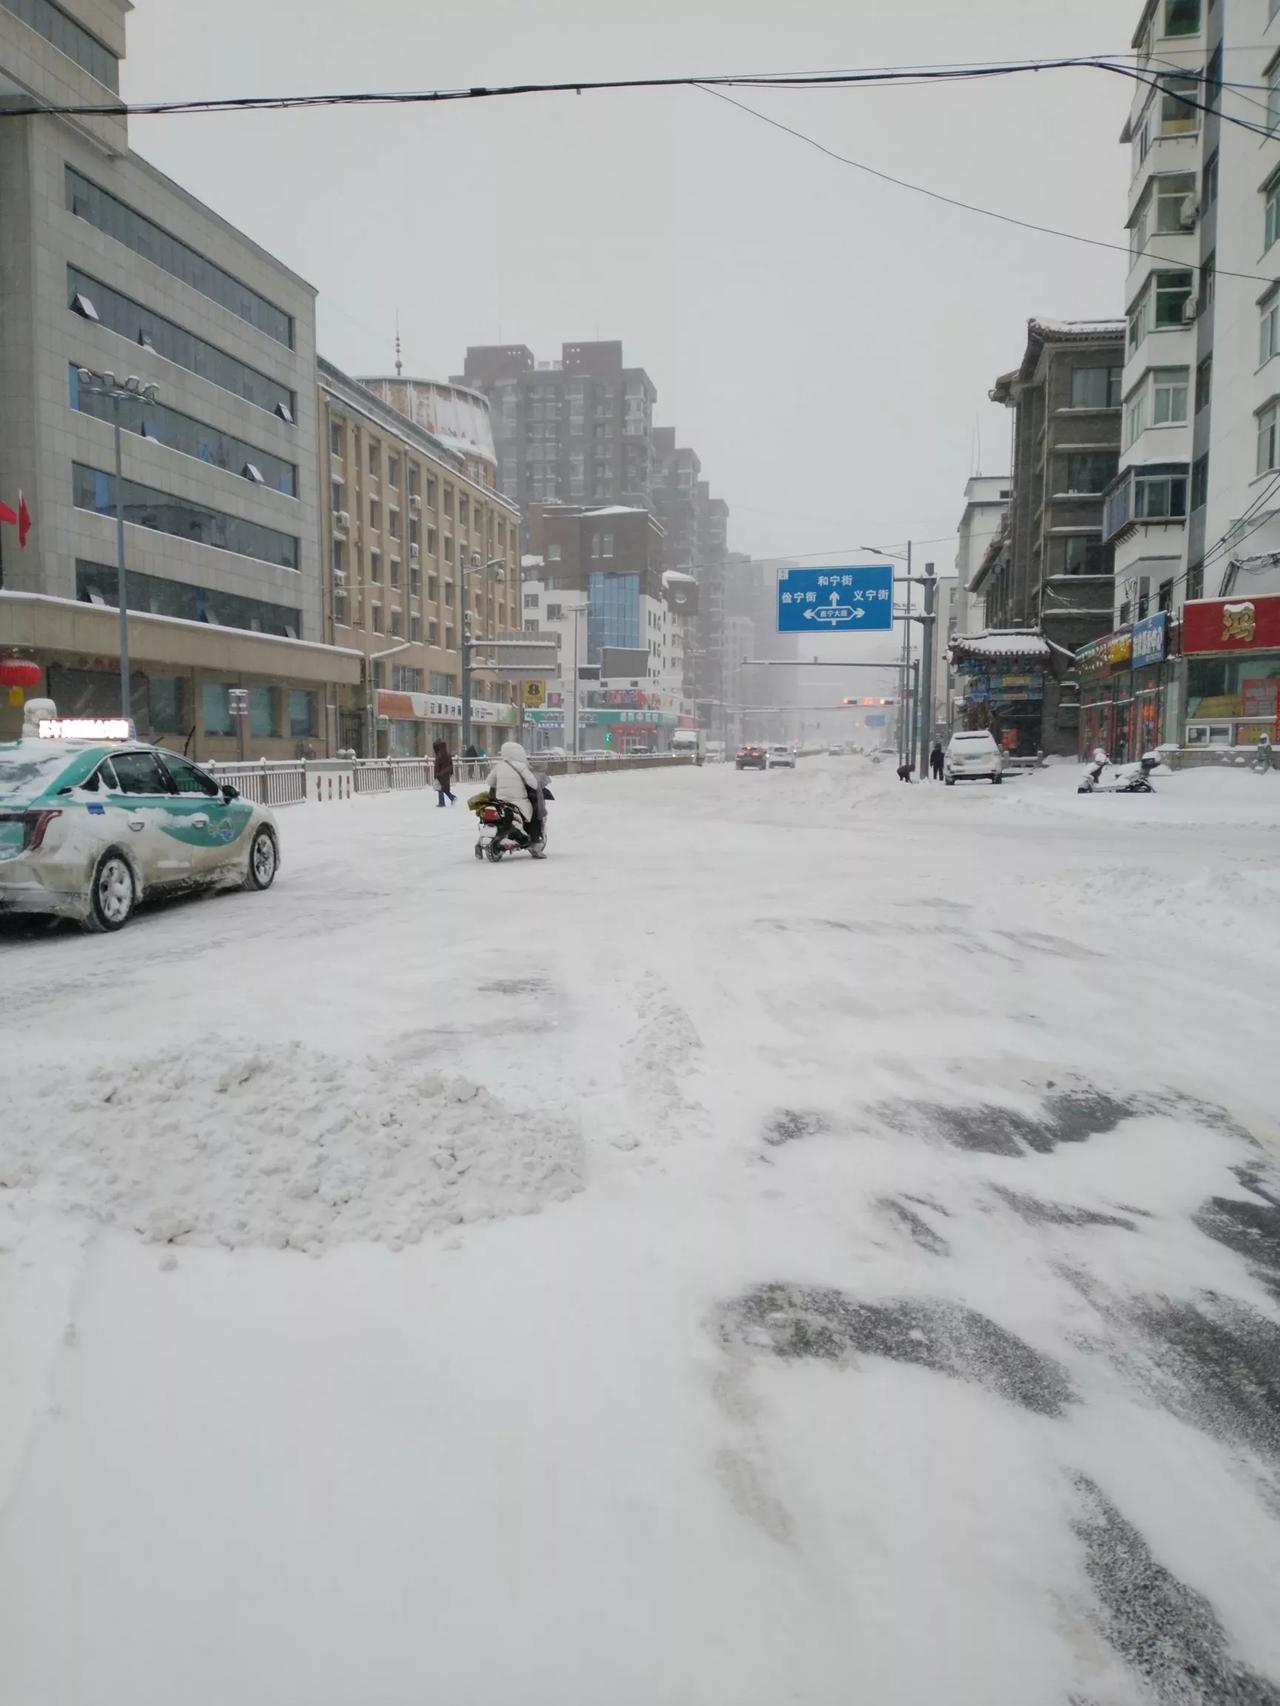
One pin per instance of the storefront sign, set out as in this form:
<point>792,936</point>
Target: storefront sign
<point>1150,640</point>
<point>1092,660</point>
<point>1120,649</point>
<point>1231,624</point>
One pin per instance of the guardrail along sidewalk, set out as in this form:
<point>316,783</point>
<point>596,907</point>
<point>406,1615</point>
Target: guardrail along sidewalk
<point>295,781</point>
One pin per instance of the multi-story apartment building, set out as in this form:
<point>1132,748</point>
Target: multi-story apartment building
<point>577,431</point>
<point>986,500</point>
<point>1193,515</point>
<point>1048,572</point>
<point>594,579</point>
<point>108,269</point>
<point>415,548</point>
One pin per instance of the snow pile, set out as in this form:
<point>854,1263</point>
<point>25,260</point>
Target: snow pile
<point>285,1147</point>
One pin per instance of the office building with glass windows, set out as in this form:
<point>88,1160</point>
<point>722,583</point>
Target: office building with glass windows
<point>109,268</point>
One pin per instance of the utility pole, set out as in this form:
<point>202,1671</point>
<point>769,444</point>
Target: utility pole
<point>925,702</point>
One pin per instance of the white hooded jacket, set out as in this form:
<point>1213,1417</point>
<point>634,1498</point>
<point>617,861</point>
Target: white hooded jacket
<point>511,779</point>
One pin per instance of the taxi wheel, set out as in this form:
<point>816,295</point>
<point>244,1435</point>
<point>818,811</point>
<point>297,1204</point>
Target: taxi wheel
<point>263,861</point>
<point>112,892</point>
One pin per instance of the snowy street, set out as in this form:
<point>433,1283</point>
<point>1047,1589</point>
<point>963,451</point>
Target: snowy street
<point>811,1240</point>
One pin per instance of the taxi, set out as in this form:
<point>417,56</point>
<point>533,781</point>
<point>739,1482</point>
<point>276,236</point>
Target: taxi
<point>92,822</point>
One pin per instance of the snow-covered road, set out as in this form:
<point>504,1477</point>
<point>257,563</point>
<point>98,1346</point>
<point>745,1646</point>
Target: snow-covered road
<point>811,1240</point>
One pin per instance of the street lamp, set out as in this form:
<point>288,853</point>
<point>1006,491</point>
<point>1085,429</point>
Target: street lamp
<point>496,568</point>
<point>370,732</point>
<point>575,610</point>
<point>117,391</point>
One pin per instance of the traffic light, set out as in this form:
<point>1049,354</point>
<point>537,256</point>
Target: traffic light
<point>608,738</point>
<point>868,701</point>
<point>848,701</point>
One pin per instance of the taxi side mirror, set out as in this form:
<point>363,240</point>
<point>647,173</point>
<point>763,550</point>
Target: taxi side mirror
<point>229,793</point>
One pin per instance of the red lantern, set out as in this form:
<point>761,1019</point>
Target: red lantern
<point>19,672</point>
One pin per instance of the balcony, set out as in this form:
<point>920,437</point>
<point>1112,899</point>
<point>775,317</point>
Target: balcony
<point>1153,493</point>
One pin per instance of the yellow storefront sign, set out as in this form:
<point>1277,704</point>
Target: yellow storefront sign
<point>535,695</point>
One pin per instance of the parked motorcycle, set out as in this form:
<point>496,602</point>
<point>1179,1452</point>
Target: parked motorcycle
<point>1128,779</point>
<point>501,830</point>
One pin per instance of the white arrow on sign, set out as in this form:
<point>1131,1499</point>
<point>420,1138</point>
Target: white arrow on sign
<point>835,612</point>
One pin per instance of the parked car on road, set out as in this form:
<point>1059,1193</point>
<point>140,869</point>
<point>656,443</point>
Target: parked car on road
<point>88,829</point>
<point>750,758</point>
<point>780,758</point>
<point>972,756</point>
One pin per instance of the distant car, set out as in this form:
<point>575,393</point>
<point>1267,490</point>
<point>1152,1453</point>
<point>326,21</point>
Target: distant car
<point>751,758</point>
<point>835,752</point>
<point>780,758</point>
<point>90,828</point>
<point>972,756</point>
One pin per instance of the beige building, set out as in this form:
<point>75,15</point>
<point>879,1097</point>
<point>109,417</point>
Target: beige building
<point>108,269</point>
<point>413,547</point>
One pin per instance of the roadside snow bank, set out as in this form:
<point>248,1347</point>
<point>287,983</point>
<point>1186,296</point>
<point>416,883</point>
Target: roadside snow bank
<point>286,1147</point>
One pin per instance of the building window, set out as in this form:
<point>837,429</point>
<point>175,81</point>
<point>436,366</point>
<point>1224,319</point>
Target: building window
<point>375,567</point>
<point>1090,472</point>
<point>1268,439</point>
<point>1159,496</point>
<point>448,501</point>
<point>1169,387</point>
<point>393,473</point>
<point>335,438</point>
<point>1135,416</point>
<point>1269,328</point>
<point>375,618</point>
<point>553,553</point>
<point>1208,280</point>
<point>1199,481</point>
<point>190,437</point>
<point>393,523</point>
<point>395,571</point>
<point>1164,599</point>
<point>1195,581</point>
<point>375,515</point>
<point>302,713</point>
<point>262,712</point>
<point>415,628</point>
<point>215,706</point>
<point>119,313</point>
<point>531,600</point>
<point>397,624</point>
<point>1209,183</point>
<point>1204,382</point>
<point>606,545</point>
<point>375,458</point>
<point>181,518</point>
<point>1082,556</point>
<point>1179,105</point>
<point>555,613</point>
<point>63,32</point>
<point>103,211</point>
<point>1271,213</point>
<point>96,584</point>
<point>1181,17</point>
<point>1096,387</point>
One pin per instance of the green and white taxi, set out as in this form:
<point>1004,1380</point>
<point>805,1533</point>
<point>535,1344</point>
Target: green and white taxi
<point>89,827</point>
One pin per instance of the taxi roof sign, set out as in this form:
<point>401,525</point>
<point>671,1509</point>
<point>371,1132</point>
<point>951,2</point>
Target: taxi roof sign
<point>85,728</point>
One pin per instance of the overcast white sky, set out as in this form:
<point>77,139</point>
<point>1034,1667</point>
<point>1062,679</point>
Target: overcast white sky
<point>825,341</point>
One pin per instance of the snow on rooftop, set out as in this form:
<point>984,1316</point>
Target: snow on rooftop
<point>1080,328</point>
<point>616,509</point>
<point>1002,643</point>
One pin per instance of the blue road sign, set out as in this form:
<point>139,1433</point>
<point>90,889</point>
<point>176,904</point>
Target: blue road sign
<point>835,601</point>
<point>878,721</point>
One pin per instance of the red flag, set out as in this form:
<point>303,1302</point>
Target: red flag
<point>24,521</point>
<point>6,514</point>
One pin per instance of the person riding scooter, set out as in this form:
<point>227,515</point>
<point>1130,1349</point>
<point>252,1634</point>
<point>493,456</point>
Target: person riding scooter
<point>512,783</point>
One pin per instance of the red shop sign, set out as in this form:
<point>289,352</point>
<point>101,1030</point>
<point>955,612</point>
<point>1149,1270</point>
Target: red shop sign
<point>1231,625</point>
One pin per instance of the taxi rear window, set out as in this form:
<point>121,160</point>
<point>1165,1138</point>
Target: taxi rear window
<point>25,774</point>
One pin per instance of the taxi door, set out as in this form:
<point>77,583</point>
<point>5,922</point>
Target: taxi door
<point>139,804</point>
<point>212,828</point>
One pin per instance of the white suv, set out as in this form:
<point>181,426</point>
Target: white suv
<point>973,756</point>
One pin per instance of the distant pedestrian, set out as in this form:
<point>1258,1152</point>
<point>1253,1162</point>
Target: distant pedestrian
<point>905,769</point>
<point>443,774</point>
<point>470,752</point>
<point>936,761</point>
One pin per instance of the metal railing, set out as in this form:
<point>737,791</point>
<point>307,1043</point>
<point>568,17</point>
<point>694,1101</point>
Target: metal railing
<point>294,781</point>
